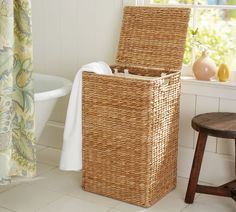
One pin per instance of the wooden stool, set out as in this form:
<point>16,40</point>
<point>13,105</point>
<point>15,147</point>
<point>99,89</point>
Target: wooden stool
<point>222,125</point>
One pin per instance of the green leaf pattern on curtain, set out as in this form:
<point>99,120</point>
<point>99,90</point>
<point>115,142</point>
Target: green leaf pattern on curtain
<point>17,128</point>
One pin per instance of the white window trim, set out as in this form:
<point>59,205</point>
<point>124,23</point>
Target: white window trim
<point>195,5</point>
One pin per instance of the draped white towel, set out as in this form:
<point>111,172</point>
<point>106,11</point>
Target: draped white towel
<point>71,156</point>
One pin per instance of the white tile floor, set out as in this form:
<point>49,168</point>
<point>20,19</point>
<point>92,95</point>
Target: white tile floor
<point>56,191</point>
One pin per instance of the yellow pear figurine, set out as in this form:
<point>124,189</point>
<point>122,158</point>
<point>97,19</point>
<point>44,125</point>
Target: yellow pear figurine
<point>223,72</point>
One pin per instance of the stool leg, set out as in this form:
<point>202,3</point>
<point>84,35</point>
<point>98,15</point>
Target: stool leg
<point>196,166</point>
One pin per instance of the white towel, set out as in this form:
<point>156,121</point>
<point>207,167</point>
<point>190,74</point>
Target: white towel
<point>71,156</point>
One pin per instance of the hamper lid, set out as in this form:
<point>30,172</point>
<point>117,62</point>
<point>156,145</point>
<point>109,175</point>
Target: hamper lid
<point>153,37</point>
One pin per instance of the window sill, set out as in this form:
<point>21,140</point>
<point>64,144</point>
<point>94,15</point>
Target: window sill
<point>187,78</point>
<point>216,89</point>
<point>213,83</point>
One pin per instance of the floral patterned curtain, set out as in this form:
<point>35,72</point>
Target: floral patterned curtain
<point>17,136</point>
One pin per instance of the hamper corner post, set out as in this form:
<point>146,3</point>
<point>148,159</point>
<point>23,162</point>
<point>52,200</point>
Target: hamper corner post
<point>130,126</point>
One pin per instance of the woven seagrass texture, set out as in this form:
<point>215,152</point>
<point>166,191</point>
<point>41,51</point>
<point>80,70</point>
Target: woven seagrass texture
<point>153,37</point>
<point>130,130</point>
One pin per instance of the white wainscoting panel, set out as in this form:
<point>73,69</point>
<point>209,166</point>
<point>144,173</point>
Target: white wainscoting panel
<point>210,97</point>
<point>206,104</point>
<point>226,146</point>
<point>187,111</point>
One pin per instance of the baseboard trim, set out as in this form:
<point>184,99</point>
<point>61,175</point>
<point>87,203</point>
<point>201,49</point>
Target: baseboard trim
<point>52,135</point>
<point>57,124</point>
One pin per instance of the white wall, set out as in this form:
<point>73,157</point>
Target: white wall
<point>70,33</point>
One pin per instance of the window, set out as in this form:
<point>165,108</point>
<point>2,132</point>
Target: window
<point>215,21</point>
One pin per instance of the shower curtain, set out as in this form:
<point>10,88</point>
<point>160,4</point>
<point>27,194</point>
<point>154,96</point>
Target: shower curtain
<point>17,136</point>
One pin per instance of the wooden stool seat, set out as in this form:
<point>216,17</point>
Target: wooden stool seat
<point>217,124</point>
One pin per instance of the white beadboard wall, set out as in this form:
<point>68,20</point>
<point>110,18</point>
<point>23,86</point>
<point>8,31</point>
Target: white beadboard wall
<point>203,97</point>
<point>68,34</point>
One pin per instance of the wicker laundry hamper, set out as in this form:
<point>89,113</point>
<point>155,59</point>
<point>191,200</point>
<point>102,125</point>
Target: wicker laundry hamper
<point>130,126</point>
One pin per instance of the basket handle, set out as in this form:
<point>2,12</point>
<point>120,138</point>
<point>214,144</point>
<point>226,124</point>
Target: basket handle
<point>167,81</point>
